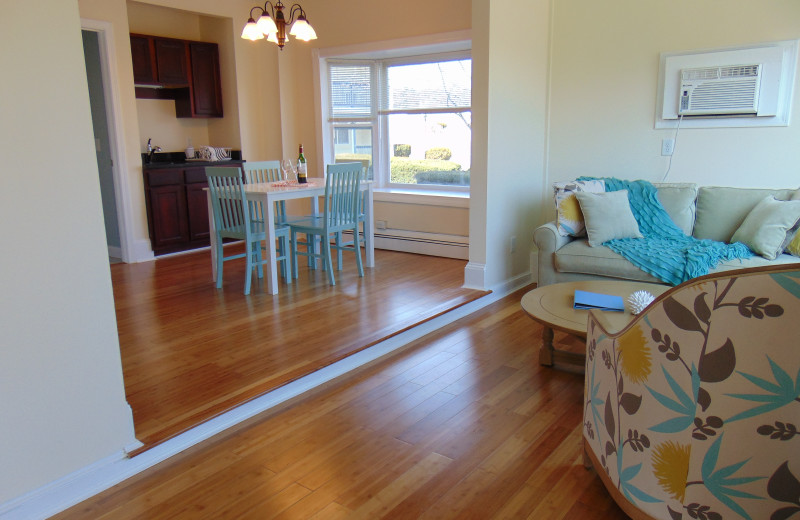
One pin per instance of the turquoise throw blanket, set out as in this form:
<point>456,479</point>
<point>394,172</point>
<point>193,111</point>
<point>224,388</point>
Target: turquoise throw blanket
<point>666,251</point>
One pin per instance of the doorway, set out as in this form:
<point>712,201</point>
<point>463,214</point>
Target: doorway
<point>98,50</point>
<point>102,142</point>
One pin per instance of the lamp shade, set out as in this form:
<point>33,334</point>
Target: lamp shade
<point>266,25</point>
<point>251,32</point>
<point>302,30</point>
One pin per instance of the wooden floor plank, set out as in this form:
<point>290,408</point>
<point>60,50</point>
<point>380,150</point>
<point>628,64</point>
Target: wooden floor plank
<point>190,351</point>
<point>390,441</point>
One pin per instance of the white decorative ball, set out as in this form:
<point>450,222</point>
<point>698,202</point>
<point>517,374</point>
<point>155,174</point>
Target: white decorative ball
<point>639,300</point>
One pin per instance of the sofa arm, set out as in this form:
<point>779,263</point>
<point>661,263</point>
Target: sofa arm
<point>548,240</point>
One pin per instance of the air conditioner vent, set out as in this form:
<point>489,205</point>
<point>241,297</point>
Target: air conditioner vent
<point>716,91</point>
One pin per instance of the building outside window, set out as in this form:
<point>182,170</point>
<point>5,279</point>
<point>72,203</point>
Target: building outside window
<point>407,119</point>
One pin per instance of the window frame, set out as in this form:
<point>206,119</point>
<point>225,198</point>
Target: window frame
<point>455,47</point>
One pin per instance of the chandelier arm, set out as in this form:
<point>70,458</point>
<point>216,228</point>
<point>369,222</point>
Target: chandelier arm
<point>296,9</point>
<point>271,8</point>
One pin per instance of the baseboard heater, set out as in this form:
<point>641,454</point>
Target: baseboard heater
<point>448,246</point>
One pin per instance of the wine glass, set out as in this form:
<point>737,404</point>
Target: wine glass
<point>288,170</point>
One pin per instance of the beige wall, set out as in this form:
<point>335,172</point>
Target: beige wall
<point>510,60</point>
<point>604,84</point>
<point>63,401</point>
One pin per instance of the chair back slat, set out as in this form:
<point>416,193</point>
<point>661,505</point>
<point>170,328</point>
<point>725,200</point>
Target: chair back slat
<point>342,195</point>
<point>231,213</point>
<point>264,171</point>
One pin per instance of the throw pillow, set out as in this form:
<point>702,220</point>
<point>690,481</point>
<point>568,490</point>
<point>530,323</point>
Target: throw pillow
<point>793,247</point>
<point>765,227</point>
<point>608,216</point>
<point>569,221</point>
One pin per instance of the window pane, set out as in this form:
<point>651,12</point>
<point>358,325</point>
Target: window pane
<point>350,90</point>
<point>430,148</point>
<point>353,144</point>
<point>445,84</point>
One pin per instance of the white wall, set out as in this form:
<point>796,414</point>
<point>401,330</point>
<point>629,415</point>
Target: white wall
<point>63,401</point>
<point>604,86</point>
<point>510,62</point>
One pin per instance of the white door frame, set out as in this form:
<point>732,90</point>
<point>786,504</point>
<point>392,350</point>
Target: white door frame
<point>108,66</point>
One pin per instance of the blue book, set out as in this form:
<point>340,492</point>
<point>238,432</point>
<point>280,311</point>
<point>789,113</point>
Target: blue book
<point>601,302</point>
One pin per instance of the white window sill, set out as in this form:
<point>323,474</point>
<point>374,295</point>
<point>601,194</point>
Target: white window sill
<point>451,199</point>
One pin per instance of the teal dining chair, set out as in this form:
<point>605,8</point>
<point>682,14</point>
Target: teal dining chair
<point>270,171</point>
<point>232,219</point>
<point>340,213</point>
<point>361,217</point>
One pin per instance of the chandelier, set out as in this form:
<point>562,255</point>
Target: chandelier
<point>272,24</point>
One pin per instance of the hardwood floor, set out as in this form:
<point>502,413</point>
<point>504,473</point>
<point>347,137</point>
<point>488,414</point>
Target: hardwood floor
<point>190,351</point>
<point>462,424</point>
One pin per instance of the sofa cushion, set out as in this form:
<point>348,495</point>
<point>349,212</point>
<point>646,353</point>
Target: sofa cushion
<point>753,261</point>
<point>579,257</point>
<point>764,229</point>
<point>678,200</point>
<point>608,216</point>
<point>721,210</point>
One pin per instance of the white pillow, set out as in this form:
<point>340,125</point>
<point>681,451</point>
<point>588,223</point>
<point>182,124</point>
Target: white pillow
<point>608,216</point>
<point>765,227</point>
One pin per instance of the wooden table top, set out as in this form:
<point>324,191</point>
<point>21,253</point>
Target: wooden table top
<point>551,305</point>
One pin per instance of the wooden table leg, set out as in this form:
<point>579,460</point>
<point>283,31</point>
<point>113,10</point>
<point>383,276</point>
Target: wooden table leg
<point>546,350</point>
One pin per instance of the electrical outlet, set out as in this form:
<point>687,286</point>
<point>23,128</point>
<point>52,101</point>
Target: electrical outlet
<point>513,244</point>
<point>667,146</point>
<point>380,224</point>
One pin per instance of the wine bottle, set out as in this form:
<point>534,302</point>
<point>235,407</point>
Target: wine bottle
<point>302,168</point>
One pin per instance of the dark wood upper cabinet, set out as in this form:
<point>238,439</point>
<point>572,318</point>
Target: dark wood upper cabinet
<point>188,70</point>
<point>206,92</point>
<point>171,62</point>
<point>144,58</point>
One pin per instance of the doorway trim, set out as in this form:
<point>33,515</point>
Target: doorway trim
<point>108,67</point>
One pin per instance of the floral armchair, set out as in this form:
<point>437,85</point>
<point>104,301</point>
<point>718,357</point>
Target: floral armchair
<point>693,410</point>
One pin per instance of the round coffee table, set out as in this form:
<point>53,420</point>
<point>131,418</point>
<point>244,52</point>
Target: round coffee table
<point>552,306</point>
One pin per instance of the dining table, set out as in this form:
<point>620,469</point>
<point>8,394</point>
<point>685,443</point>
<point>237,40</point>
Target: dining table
<point>268,193</point>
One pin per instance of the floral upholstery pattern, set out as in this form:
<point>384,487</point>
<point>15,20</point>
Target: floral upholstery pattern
<point>693,410</point>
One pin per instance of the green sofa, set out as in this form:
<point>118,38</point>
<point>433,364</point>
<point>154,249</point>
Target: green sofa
<point>706,212</point>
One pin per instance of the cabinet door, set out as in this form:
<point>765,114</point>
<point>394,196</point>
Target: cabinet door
<point>197,209</point>
<point>206,89</point>
<point>171,62</point>
<point>144,57</point>
<point>170,225</point>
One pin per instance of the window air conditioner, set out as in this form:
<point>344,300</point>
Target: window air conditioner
<point>720,91</point>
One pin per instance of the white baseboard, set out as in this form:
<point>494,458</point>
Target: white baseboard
<point>475,276</point>
<point>114,252</point>
<point>142,252</point>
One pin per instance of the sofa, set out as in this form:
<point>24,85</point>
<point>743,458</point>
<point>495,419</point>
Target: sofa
<point>693,410</point>
<point>704,212</point>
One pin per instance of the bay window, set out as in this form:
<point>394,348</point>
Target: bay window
<point>407,119</point>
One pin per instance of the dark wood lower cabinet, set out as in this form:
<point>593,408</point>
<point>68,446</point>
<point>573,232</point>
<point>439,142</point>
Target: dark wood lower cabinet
<point>197,209</point>
<point>169,225</point>
<point>177,208</point>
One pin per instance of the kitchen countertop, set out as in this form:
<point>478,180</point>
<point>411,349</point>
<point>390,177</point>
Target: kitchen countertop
<point>189,164</point>
<point>164,160</point>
